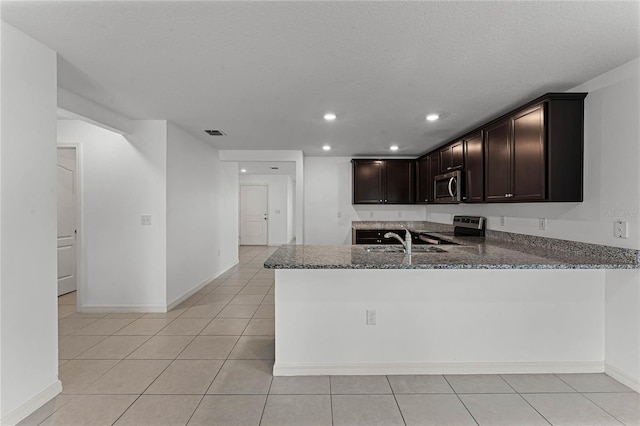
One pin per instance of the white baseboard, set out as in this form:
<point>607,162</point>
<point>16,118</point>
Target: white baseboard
<point>91,309</point>
<point>623,377</point>
<point>24,410</point>
<point>178,300</point>
<point>438,368</point>
<point>152,308</point>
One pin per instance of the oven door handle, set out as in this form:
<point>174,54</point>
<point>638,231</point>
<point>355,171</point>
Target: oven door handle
<point>451,180</point>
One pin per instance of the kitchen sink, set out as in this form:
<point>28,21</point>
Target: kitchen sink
<point>397,249</point>
<point>385,249</point>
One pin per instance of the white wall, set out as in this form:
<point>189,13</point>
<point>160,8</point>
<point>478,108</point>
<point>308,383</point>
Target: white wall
<point>28,278</point>
<point>122,178</point>
<point>328,203</point>
<point>611,172</point>
<point>278,218</point>
<point>196,197</point>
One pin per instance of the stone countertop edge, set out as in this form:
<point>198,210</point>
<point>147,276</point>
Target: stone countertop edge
<point>498,250</point>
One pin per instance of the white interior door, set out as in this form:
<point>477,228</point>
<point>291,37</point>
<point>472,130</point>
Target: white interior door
<point>67,280</point>
<point>253,215</point>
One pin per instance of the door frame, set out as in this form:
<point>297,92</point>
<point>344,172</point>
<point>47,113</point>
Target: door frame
<point>80,234</point>
<point>240,185</point>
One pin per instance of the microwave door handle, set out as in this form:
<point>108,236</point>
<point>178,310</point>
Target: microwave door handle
<point>451,180</point>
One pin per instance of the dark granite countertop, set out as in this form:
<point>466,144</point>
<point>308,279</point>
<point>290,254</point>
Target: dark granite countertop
<point>509,251</point>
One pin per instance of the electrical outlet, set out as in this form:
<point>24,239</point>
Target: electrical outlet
<point>145,219</point>
<point>400,214</point>
<point>621,229</point>
<point>339,215</point>
<point>542,224</point>
<point>501,220</point>
<point>218,252</point>
<point>370,214</point>
<point>371,317</point>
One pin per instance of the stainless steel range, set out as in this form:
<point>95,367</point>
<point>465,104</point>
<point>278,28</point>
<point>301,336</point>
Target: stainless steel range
<point>463,226</point>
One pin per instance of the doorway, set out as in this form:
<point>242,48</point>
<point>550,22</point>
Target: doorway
<point>67,220</point>
<point>253,215</point>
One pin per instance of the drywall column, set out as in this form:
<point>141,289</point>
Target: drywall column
<point>28,212</point>
<point>622,327</point>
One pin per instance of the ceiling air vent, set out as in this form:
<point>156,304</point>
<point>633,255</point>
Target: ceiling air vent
<point>215,132</point>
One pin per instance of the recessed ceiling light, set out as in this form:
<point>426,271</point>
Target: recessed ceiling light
<point>393,147</point>
<point>330,116</point>
<point>433,117</point>
<point>326,147</point>
<point>243,170</point>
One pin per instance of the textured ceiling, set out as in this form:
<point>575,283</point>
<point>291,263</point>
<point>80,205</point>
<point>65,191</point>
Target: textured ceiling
<point>266,72</point>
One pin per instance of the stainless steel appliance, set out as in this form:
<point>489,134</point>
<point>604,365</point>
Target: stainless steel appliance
<point>463,226</point>
<point>448,187</point>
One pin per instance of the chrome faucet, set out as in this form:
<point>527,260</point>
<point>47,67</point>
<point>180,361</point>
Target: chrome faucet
<point>406,243</point>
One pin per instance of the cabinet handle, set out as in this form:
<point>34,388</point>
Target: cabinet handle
<point>449,168</point>
<point>385,201</point>
<point>380,200</point>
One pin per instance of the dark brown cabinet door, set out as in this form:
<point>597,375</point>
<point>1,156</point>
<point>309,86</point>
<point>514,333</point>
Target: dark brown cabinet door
<point>498,161</point>
<point>422,180</point>
<point>399,178</point>
<point>474,160</point>
<point>445,159</point>
<point>528,164</point>
<point>457,157</point>
<point>434,161</point>
<point>383,181</point>
<point>367,181</point>
<point>451,157</point>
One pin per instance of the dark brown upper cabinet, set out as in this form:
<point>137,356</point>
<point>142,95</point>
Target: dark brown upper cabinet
<point>536,153</point>
<point>428,167</point>
<point>383,181</point>
<point>515,157</point>
<point>451,157</point>
<point>474,168</point>
<point>498,161</point>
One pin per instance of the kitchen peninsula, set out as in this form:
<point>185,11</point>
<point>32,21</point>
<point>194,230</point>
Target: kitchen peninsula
<point>501,304</point>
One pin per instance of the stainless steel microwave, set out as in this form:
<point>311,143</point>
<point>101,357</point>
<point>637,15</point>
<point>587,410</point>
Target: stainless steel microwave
<point>448,187</point>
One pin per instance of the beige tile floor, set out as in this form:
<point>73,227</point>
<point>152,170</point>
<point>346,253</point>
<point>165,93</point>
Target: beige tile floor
<point>209,361</point>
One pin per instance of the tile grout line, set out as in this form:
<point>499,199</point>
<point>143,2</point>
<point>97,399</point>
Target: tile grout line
<point>460,399</point>
<point>602,408</point>
<point>525,399</point>
<point>395,398</point>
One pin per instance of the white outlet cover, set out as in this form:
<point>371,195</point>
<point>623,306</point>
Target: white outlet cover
<point>145,219</point>
<point>502,220</point>
<point>621,229</point>
<point>542,224</point>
